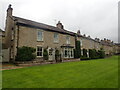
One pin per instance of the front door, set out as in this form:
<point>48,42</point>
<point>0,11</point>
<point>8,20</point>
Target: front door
<point>51,54</point>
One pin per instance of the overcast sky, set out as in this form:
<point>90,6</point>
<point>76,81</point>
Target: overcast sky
<point>97,18</point>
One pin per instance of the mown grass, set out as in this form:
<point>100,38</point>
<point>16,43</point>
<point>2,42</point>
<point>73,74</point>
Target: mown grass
<point>100,73</point>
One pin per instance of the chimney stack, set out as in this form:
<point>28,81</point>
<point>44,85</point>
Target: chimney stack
<point>78,32</point>
<point>88,36</point>
<point>9,10</point>
<point>84,35</point>
<point>59,25</point>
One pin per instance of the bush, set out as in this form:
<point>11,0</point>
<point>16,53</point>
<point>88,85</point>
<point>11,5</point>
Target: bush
<point>77,51</point>
<point>84,52</point>
<point>84,58</point>
<point>57,55</point>
<point>45,54</point>
<point>101,53</point>
<point>93,54</point>
<point>25,54</point>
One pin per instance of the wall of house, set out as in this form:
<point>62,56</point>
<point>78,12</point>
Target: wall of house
<point>28,37</point>
<point>97,45</point>
<point>86,43</point>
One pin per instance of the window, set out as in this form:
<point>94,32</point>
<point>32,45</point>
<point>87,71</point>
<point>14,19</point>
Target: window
<point>68,40</point>
<point>56,38</point>
<point>39,51</point>
<point>39,35</point>
<point>81,51</point>
<point>65,53</point>
<point>68,53</point>
<point>72,54</point>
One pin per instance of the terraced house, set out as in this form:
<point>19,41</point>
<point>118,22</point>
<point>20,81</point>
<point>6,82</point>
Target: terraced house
<point>22,32</point>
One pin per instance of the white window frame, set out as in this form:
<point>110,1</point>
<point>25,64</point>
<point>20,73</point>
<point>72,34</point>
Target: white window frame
<point>38,30</point>
<point>82,52</point>
<point>37,51</point>
<point>56,40</point>
<point>67,39</point>
<point>68,49</point>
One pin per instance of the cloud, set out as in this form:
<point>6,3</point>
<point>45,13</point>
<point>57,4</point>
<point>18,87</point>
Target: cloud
<point>97,18</point>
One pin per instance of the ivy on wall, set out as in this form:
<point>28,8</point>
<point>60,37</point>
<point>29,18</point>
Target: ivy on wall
<point>77,50</point>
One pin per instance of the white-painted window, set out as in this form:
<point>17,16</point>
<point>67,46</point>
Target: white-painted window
<point>81,51</point>
<point>39,51</point>
<point>39,35</point>
<point>56,38</point>
<point>68,53</point>
<point>67,40</point>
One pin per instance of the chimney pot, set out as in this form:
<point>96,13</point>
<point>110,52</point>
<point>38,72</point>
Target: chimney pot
<point>9,10</point>
<point>59,25</point>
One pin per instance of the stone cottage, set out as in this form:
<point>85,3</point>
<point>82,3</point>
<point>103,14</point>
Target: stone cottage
<point>22,32</point>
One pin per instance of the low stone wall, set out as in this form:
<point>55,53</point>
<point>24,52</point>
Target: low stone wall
<point>41,62</point>
<point>32,63</point>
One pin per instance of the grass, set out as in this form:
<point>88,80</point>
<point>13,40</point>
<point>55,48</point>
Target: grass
<point>100,73</point>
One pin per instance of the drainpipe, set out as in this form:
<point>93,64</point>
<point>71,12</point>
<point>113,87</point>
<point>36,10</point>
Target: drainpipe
<point>17,38</point>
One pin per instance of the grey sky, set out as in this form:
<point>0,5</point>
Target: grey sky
<point>97,18</point>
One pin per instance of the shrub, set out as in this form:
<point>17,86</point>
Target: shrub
<point>25,54</point>
<point>77,51</point>
<point>57,55</point>
<point>84,58</point>
<point>84,52</point>
<point>93,54</point>
<point>45,54</point>
<point>101,53</point>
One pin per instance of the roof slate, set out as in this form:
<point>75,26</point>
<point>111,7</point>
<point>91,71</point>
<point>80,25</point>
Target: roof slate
<point>22,21</point>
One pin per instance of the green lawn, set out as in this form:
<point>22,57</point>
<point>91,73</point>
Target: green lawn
<point>101,73</point>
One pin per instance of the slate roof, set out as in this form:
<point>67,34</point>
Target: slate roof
<point>30,23</point>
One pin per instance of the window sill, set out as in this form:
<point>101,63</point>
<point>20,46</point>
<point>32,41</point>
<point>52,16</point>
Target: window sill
<point>39,56</point>
<point>40,41</point>
<point>56,42</point>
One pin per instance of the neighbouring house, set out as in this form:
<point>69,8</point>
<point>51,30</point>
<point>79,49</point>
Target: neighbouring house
<point>2,38</point>
<point>88,43</point>
<point>23,32</point>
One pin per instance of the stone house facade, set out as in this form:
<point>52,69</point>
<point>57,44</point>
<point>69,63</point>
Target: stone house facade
<point>23,32</point>
<point>2,37</point>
